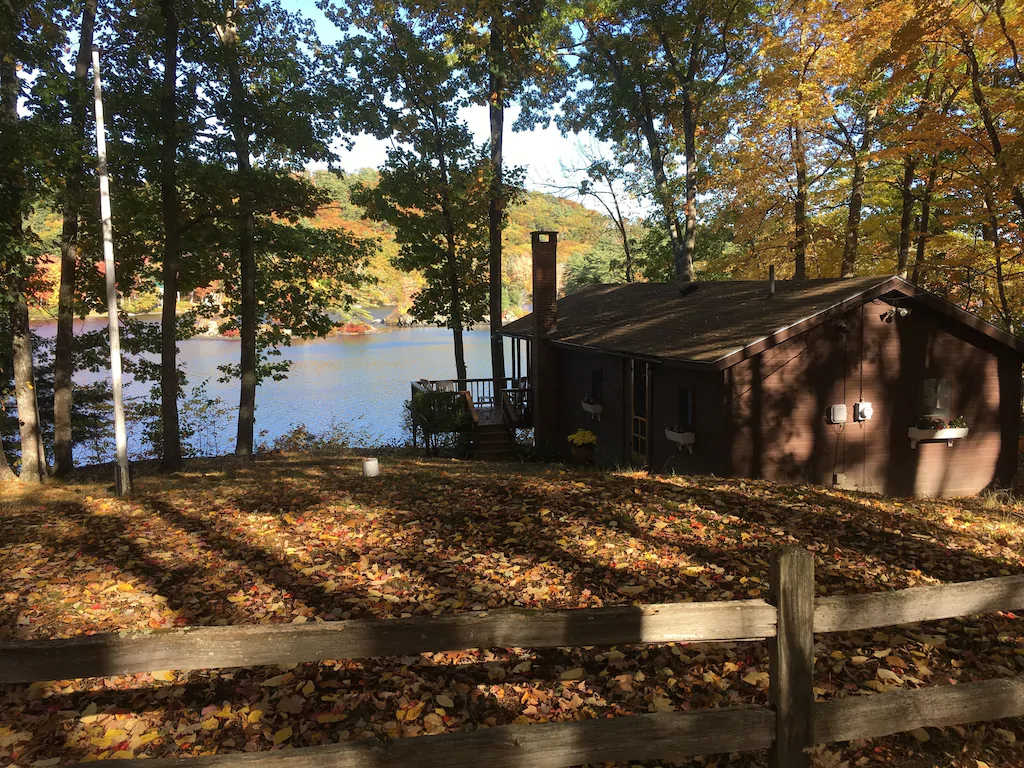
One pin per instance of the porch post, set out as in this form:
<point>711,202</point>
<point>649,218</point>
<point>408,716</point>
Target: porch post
<point>545,321</point>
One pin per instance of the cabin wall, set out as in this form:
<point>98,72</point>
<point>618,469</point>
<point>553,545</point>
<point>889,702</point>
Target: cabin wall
<point>576,370</point>
<point>776,403</point>
<point>710,446</point>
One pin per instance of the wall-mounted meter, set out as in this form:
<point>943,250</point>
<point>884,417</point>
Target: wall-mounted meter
<point>836,414</point>
<point>863,411</point>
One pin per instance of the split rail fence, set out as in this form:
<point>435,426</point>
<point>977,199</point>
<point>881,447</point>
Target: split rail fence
<point>791,723</point>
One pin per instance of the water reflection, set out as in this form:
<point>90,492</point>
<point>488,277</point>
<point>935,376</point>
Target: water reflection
<point>361,381</point>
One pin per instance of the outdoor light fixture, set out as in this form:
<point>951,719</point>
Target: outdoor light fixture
<point>892,313</point>
<point>837,414</point>
<point>863,411</point>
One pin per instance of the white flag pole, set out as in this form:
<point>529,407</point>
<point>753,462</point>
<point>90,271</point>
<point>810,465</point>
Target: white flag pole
<point>124,486</point>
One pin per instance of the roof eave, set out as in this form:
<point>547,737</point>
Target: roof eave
<point>889,285</point>
<point>783,334</point>
<point>939,304</point>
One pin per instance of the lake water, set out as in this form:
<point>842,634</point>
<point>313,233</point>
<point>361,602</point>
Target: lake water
<point>360,382</point>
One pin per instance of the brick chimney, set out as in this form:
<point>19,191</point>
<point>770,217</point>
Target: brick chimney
<point>545,320</point>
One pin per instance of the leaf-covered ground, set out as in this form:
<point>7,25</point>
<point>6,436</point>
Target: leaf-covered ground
<point>299,539</point>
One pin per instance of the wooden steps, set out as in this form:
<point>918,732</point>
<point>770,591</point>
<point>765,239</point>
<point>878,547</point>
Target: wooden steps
<point>493,442</point>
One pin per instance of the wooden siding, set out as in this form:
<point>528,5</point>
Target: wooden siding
<point>575,377</point>
<point>710,446</point>
<point>777,403</point>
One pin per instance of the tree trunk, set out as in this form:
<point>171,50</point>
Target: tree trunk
<point>33,457</point>
<point>683,254</point>
<point>460,357</point>
<point>63,365</point>
<point>924,222</point>
<point>906,216</point>
<point>244,443</point>
<point>6,473</point>
<point>454,287</point>
<point>496,207</point>
<point>170,460</point>
<point>456,314</point>
<point>620,223</point>
<point>860,169</point>
<point>455,294</point>
<point>684,262</point>
<point>974,72</point>
<point>800,206</point>
<point>663,193</point>
<point>992,235</point>
<point>1001,15</point>
<point>910,163</point>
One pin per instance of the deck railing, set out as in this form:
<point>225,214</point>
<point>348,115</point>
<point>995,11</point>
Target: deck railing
<point>481,390</point>
<point>436,418</point>
<point>517,407</point>
<point>790,725</point>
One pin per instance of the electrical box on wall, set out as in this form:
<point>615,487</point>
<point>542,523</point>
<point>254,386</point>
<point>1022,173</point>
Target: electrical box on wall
<point>863,411</point>
<point>836,414</point>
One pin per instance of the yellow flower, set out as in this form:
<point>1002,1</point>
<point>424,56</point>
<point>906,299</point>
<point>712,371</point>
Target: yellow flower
<point>583,437</point>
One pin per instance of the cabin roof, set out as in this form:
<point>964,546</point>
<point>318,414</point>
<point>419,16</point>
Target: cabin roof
<point>719,323</point>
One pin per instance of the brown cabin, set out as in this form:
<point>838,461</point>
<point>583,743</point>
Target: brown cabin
<point>814,381</point>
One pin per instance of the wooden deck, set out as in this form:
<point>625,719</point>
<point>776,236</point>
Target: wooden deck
<point>488,417</point>
<point>493,419</point>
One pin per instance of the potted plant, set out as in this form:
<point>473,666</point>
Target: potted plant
<point>583,443</point>
<point>930,428</point>
<point>594,409</point>
<point>681,436</point>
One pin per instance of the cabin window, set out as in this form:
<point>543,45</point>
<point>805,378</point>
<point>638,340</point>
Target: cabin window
<point>936,399</point>
<point>687,413</point>
<point>597,386</point>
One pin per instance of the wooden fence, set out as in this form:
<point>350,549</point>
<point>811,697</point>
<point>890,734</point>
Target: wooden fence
<point>791,723</point>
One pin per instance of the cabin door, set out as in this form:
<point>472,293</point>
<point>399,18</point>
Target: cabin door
<point>640,375</point>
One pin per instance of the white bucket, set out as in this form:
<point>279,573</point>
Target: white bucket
<point>371,468</point>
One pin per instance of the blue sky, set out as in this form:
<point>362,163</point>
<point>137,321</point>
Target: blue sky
<point>541,151</point>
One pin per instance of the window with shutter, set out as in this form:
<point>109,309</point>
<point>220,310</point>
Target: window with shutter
<point>937,398</point>
<point>597,386</point>
<point>687,412</point>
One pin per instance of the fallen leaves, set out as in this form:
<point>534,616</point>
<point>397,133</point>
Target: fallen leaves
<point>276,680</point>
<point>302,542</point>
<point>755,678</point>
<point>888,676</point>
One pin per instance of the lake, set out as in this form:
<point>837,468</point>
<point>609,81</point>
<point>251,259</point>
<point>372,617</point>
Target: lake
<point>360,382</point>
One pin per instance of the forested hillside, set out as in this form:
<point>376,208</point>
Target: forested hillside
<point>588,246</point>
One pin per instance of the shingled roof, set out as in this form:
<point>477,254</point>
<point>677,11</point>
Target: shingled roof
<point>707,325</point>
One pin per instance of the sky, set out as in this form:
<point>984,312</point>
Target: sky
<point>542,151</point>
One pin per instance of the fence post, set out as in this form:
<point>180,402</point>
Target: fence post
<point>791,657</point>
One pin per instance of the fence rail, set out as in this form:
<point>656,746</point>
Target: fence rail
<point>214,647</point>
<point>549,745</point>
<point>793,723</point>
<point>908,606</point>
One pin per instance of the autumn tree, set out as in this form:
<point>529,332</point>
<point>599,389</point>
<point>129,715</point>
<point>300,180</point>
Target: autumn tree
<point>434,189</point>
<point>518,47</point>
<point>74,175</point>
<point>164,205</point>
<point>601,181</point>
<point>268,90</point>
<point>30,36</point>
<point>648,79</point>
